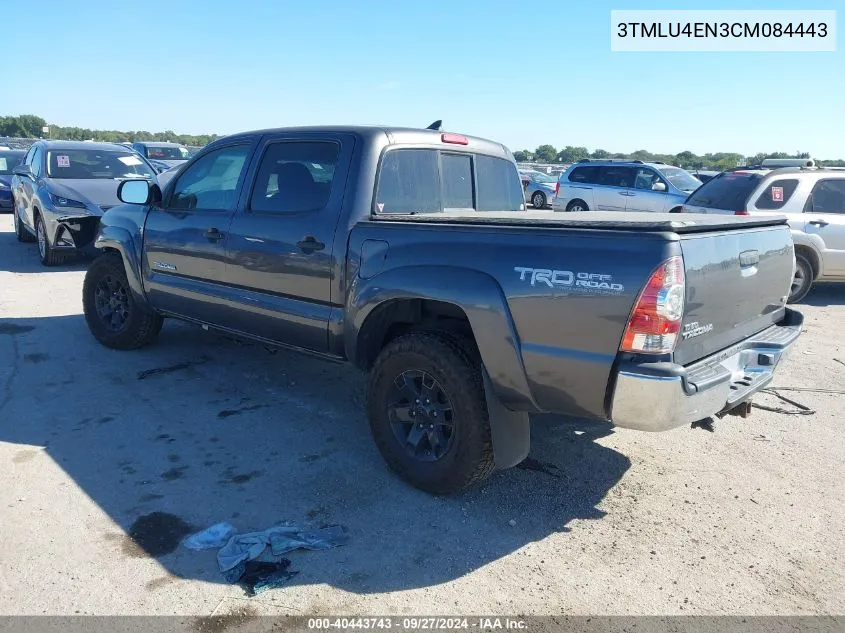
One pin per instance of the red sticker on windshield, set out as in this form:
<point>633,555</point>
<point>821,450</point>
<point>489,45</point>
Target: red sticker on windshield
<point>777,194</point>
<point>63,161</point>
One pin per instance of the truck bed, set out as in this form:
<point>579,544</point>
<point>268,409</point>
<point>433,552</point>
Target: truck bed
<point>593,220</point>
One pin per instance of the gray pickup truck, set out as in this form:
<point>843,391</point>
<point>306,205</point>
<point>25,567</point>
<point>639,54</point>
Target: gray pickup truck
<point>410,253</point>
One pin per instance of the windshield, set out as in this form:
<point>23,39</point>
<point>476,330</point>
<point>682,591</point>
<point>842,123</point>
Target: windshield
<point>683,180</point>
<point>168,153</point>
<point>89,164</point>
<point>8,161</point>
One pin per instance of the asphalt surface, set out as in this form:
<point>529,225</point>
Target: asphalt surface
<point>95,446</point>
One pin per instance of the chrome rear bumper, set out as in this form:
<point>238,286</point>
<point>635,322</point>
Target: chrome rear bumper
<point>662,396</point>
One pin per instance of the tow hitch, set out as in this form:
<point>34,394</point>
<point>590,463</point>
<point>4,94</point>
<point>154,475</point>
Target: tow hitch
<point>743,410</point>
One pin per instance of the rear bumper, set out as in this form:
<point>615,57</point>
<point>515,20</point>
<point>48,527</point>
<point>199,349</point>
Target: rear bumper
<point>662,396</point>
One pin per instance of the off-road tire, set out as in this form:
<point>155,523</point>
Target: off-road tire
<point>469,460</point>
<point>141,327</point>
<point>805,269</point>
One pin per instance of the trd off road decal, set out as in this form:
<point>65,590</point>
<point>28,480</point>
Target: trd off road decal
<point>582,282</point>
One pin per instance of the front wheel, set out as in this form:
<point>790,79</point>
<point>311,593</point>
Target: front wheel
<point>428,414</point>
<point>802,281</point>
<point>113,316</point>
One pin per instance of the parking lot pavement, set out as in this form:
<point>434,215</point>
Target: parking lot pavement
<point>747,519</point>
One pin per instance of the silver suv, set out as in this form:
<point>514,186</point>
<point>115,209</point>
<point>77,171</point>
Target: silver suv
<point>812,199</point>
<point>630,185</point>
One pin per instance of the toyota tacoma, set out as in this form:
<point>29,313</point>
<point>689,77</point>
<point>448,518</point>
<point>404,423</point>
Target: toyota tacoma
<point>410,254</point>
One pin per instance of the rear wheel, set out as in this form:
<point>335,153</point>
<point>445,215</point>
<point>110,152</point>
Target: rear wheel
<point>577,205</point>
<point>113,316</point>
<point>48,255</point>
<point>802,281</point>
<point>428,414</point>
<point>539,200</point>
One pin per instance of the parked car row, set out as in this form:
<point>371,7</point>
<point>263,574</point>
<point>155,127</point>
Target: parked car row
<point>812,198</point>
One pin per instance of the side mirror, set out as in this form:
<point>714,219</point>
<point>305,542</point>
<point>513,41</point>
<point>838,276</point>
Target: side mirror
<point>24,171</point>
<point>134,191</point>
<point>658,186</point>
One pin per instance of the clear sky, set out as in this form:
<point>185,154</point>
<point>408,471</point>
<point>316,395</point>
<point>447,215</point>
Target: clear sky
<point>523,73</point>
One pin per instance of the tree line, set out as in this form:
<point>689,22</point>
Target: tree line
<point>688,160</point>
<point>31,126</point>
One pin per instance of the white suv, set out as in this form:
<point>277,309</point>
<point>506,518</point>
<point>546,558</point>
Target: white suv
<point>812,198</point>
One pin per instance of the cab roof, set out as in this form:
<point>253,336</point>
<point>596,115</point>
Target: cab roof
<point>395,135</point>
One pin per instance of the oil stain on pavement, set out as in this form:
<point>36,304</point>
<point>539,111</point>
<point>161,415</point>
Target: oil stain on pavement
<point>155,535</point>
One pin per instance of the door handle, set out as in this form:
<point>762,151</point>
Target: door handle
<point>819,222</point>
<point>309,244</point>
<point>213,234</point>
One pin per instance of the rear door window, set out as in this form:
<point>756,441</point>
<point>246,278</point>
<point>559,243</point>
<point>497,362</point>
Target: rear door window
<point>828,196</point>
<point>499,187</point>
<point>729,191</point>
<point>777,193</point>
<point>295,176</point>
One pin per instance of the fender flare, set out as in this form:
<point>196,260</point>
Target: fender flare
<point>121,240</point>
<point>481,299</point>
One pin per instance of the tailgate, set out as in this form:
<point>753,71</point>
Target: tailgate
<point>737,285</point>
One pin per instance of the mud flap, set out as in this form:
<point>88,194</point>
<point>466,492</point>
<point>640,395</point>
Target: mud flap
<point>511,430</point>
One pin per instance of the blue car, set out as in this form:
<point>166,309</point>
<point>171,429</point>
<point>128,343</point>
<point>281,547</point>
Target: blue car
<point>9,159</point>
<point>539,187</point>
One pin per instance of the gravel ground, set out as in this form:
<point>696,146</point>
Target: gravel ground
<point>746,520</point>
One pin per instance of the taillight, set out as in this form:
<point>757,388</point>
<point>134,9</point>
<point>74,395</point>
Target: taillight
<point>656,319</point>
<point>740,212</point>
<point>557,187</point>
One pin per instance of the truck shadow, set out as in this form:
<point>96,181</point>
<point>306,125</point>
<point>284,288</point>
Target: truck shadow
<point>824,294</point>
<point>198,429</point>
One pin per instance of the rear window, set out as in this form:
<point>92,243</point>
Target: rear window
<point>457,181</point>
<point>428,181</point>
<point>728,191</point>
<point>777,193</point>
